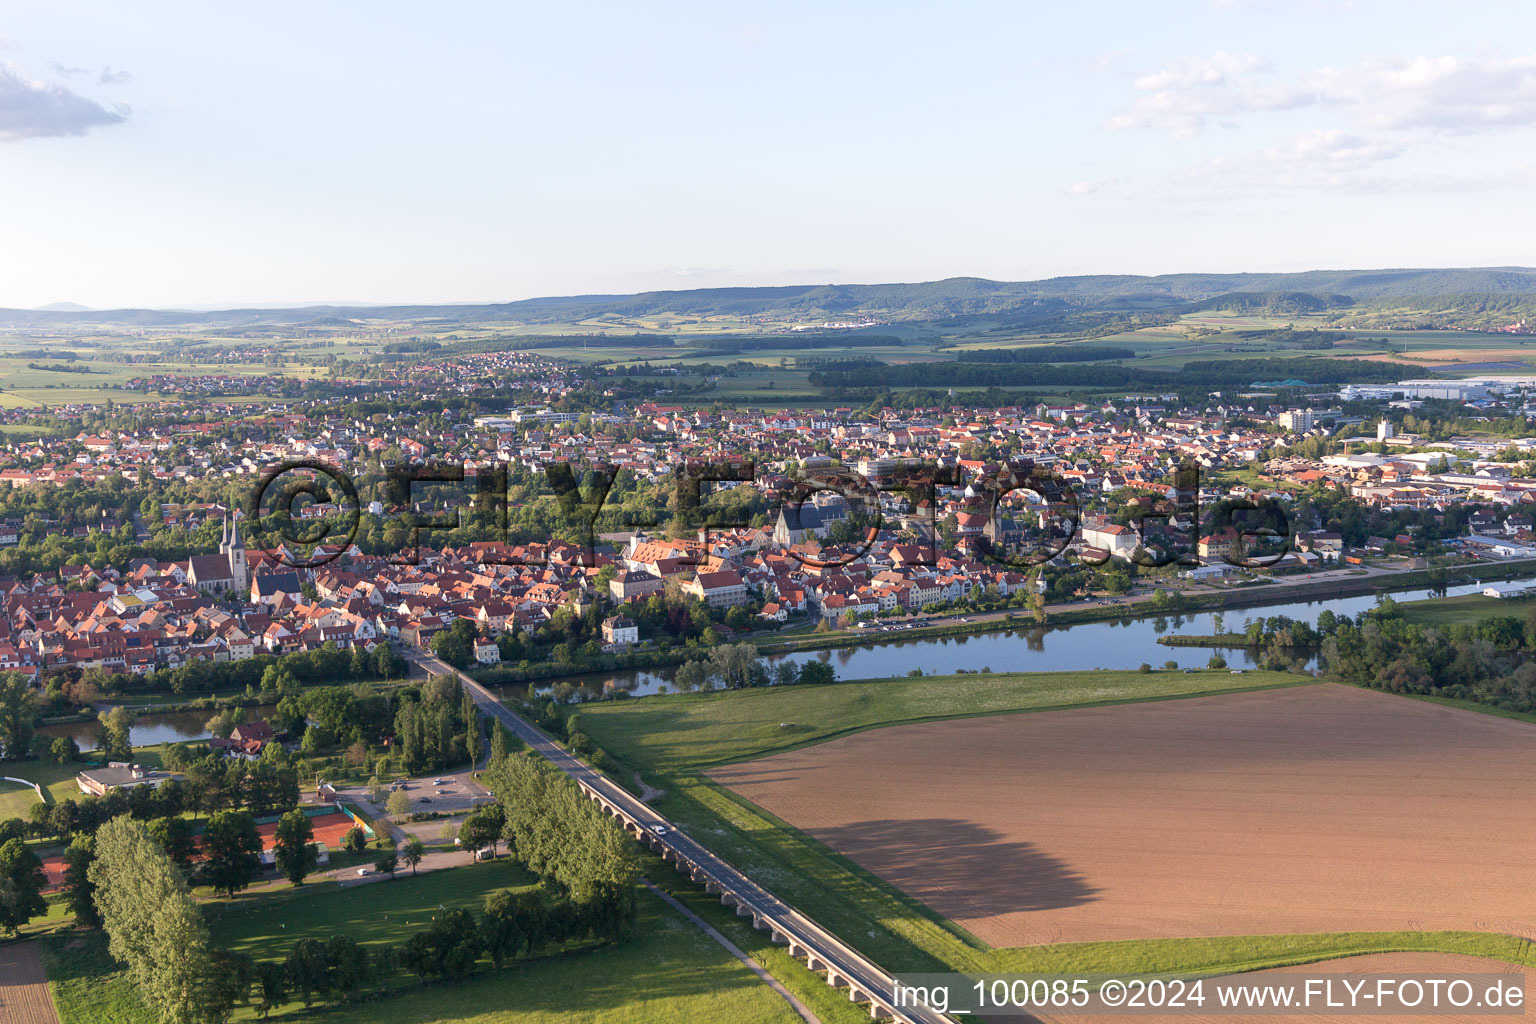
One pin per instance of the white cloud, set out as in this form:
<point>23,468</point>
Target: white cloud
<point>1318,159</point>
<point>1441,94</point>
<point>1184,95</point>
<point>1088,188</point>
<point>110,77</point>
<point>31,109</point>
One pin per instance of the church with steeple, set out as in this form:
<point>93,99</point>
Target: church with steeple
<point>225,572</point>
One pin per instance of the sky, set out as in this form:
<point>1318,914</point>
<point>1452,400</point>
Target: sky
<point>157,154</point>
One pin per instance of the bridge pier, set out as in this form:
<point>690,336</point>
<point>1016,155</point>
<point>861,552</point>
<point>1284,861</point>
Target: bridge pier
<point>742,910</point>
<point>778,938</point>
<point>834,979</point>
<point>727,899</point>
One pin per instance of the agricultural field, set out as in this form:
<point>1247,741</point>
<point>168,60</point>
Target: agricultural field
<point>679,741</point>
<point>1302,810</point>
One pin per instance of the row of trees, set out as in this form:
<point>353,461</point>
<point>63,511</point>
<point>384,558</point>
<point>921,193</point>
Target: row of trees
<point>564,838</point>
<point>512,924</point>
<point>737,666</point>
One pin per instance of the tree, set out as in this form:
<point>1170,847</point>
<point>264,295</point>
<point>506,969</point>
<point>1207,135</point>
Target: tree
<point>480,831</point>
<point>447,949</point>
<point>115,739</point>
<point>308,970</point>
<point>63,750</point>
<point>354,841</point>
<point>348,966</point>
<point>18,714</point>
<point>399,804</point>
<point>413,852</point>
<point>177,838</point>
<point>153,926</point>
<point>272,984</point>
<point>21,886</point>
<point>294,850</point>
<point>815,672</point>
<point>455,644</point>
<point>79,893</point>
<point>514,924</point>
<point>387,861</point>
<point>232,847</point>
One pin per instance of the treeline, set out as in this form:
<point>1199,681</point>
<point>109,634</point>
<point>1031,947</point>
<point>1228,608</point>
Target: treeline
<point>1293,338</point>
<point>791,342</point>
<point>264,674</point>
<point>440,730</point>
<point>1044,354</point>
<point>1274,303</point>
<point>1232,373</point>
<point>1487,661</point>
<point>554,830</point>
<point>512,924</point>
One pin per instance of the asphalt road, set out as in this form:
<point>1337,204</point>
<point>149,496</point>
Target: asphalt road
<point>849,963</point>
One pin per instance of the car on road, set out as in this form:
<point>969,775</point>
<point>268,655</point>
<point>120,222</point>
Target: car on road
<point>437,782</point>
<point>361,872</point>
<point>660,830</point>
<point>425,800</point>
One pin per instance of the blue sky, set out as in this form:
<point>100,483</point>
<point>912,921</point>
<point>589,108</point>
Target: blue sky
<point>164,154</point>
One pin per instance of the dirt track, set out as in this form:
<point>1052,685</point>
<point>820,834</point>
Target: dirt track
<point>24,995</point>
<point>1309,809</point>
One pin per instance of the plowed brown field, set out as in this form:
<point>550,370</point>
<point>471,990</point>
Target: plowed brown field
<point>1307,809</point>
<point>24,995</point>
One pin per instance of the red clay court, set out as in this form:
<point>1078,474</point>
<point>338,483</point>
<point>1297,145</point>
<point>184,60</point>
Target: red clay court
<point>329,828</point>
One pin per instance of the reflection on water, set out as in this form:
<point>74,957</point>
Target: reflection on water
<point>1115,644</point>
<point>153,728</point>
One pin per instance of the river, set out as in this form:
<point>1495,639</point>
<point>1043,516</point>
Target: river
<point>1114,644</point>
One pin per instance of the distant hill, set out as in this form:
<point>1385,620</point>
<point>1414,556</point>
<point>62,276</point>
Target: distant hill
<point>1427,297</point>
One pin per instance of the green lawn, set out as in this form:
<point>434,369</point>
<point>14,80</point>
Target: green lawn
<point>689,731</point>
<point>16,800</point>
<point>1446,611</point>
<point>266,924</point>
<point>672,739</point>
<point>668,971</point>
<point>58,780</point>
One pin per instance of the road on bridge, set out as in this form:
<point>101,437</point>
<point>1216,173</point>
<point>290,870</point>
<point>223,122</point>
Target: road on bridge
<point>859,971</point>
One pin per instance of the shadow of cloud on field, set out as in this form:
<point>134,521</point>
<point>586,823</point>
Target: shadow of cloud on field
<point>948,864</point>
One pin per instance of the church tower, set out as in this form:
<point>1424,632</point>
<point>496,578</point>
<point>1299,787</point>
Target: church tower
<point>233,548</point>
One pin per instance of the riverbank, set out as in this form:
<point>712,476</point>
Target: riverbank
<point>1247,596</point>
